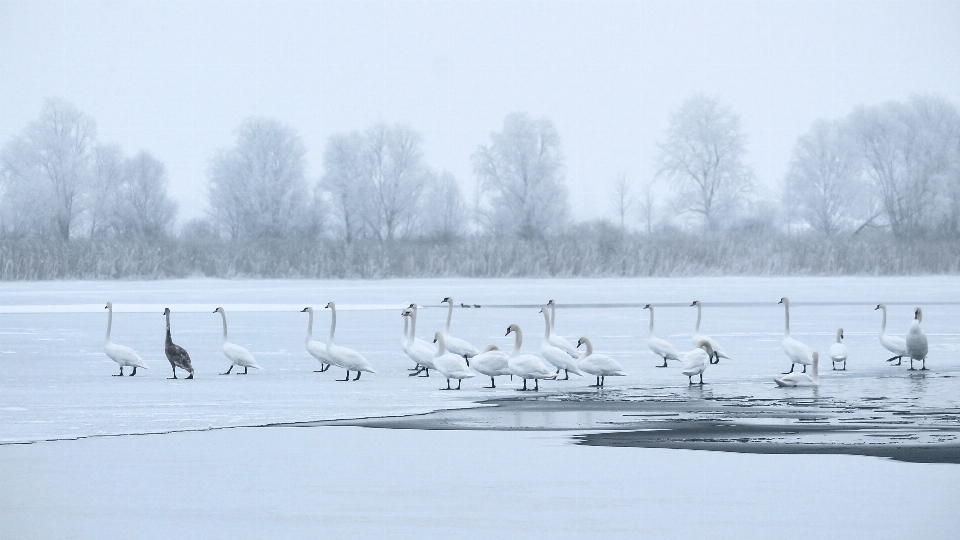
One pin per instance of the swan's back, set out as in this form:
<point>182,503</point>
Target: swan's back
<point>662,348</point>
<point>564,345</point>
<point>601,365</point>
<point>491,363</point>
<point>529,366</point>
<point>459,347</point>
<point>697,338</point>
<point>558,357</point>
<point>319,351</point>
<point>796,379</point>
<point>797,352</point>
<point>422,353</point>
<point>894,344</point>
<point>349,359</point>
<point>238,355</point>
<point>838,352</point>
<point>695,362</point>
<point>452,366</point>
<point>123,355</point>
<point>916,341</point>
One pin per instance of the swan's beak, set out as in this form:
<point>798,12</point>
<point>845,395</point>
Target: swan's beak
<point>214,311</point>
<point>876,308</point>
<point>446,299</point>
<point>434,340</point>
<point>646,306</point>
<point>579,343</point>
<point>508,333</point>
<point>304,310</point>
<point>781,301</point>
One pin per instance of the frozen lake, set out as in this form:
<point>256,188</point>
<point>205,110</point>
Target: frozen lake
<point>56,385</point>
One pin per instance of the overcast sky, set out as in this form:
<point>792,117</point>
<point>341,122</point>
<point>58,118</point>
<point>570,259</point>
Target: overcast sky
<point>177,78</point>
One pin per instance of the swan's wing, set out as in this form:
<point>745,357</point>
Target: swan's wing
<point>350,359</point>
<point>460,347</point>
<point>838,352</point>
<point>662,348</point>
<point>561,343</point>
<point>894,344</point>
<point>319,351</point>
<point>601,364</point>
<point>491,363</point>
<point>797,351</point>
<point>558,358</point>
<point>123,355</point>
<point>238,355</point>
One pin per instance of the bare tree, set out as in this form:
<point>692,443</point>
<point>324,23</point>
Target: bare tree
<point>50,160</point>
<point>703,156</point>
<point>106,177</point>
<point>443,207</point>
<point>623,198</point>
<point>824,177</point>
<point>257,188</point>
<point>397,177</point>
<point>522,171</point>
<point>647,204</point>
<point>344,179</point>
<point>143,207</point>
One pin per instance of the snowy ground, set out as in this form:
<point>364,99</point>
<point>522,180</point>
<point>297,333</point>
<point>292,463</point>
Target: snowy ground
<point>55,384</point>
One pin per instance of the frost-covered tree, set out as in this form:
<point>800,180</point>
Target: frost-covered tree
<point>142,206</point>
<point>106,177</point>
<point>443,210</point>
<point>396,176</point>
<point>703,156</point>
<point>647,204</point>
<point>622,198</point>
<point>47,170</point>
<point>521,172</point>
<point>823,179</point>
<point>343,178</point>
<point>257,188</point>
<point>909,155</point>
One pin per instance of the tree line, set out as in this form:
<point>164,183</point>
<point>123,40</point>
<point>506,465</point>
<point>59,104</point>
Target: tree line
<point>879,178</point>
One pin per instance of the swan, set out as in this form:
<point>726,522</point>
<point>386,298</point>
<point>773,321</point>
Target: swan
<point>457,345</point>
<point>802,379</point>
<point>555,355</point>
<point>451,365</point>
<point>660,347</point>
<point>526,366</point>
<point>418,350</point>
<point>917,340</point>
<point>838,351</point>
<point>558,341</point>
<point>121,354</point>
<point>796,351</point>
<point>315,348</point>
<point>348,359</point>
<point>599,365</point>
<point>492,362</point>
<point>237,355</point>
<point>696,361</point>
<point>176,355</point>
<point>697,336</point>
<point>894,344</point>
<point>405,340</point>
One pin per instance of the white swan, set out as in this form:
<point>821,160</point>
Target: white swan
<point>555,355</point>
<point>696,361</point>
<point>526,366</point>
<point>315,348</point>
<point>237,355</point>
<point>492,362</point>
<point>802,379</point>
<point>598,365</point>
<point>917,340</point>
<point>457,345</point>
<point>838,351</point>
<point>796,351</point>
<point>121,354</point>
<point>559,341</point>
<point>344,357</point>
<point>418,350</point>
<point>451,365</point>
<point>894,344</point>
<point>176,355</point>
<point>697,337</point>
<point>660,347</point>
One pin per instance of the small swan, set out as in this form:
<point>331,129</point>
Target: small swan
<point>894,344</point>
<point>559,341</point>
<point>457,345</point>
<point>696,361</point>
<point>526,366</point>
<point>344,357</point>
<point>315,348</point>
<point>237,355</point>
<point>599,365</point>
<point>838,351</point>
<point>176,355</point>
<point>418,350</point>
<point>555,355</point>
<point>698,337</point>
<point>660,347</point>
<point>121,354</point>
<point>451,365</point>
<point>802,379</point>
<point>492,362</point>
<point>796,351</point>
<point>917,340</point>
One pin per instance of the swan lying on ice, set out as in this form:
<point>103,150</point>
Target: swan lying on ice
<point>802,379</point>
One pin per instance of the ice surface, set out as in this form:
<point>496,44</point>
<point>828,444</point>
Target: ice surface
<point>55,381</point>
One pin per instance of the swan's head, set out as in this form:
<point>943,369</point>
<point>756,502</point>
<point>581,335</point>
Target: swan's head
<point>695,303</point>
<point>108,306</point>
<point>839,334</point>
<point>879,306</point>
<point>307,310</point>
<point>447,300</point>
<point>218,310</point>
<point>705,345</point>
<point>489,348</point>
<point>648,306</point>
<point>784,301</point>
<point>330,305</point>
<point>166,311</point>
<point>512,328</point>
<point>412,307</point>
<point>816,357</point>
<point>541,310</point>
<point>550,303</point>
<point>437,337</point>
<point>405,313</point>
<point>918,314</point>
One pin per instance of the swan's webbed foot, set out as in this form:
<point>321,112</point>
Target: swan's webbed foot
<point>347,378</point>
<point>458,383</point>
<point>493,383</point>
<point>566,375</point>
<point>357,378</point>
<point>191,376</point>
<point>791,370</point>
<point>121,372</point>
<point>804,369</point>
<point>448,386</point>
<point>426,372</point>
<point>701,379</point>
<point>134,371</point>
<point>664,362</point>
<point>228,371</point>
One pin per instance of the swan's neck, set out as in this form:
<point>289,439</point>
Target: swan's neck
<point>441,347</point>
<point>413,325</point>
<point>699,313</point>
<point>224,316</point>
<point>553,316</point>
<point>651,320</point>
<point>309,325</point>
<point>406,329</point>
<point>589,347</point>
<point>546,329</point>
<point>883,325</point>
<point>816,373</point>
<point>169,339</point>
<point>333,325</point>
<point>786,324</point>
<point>109,322</point>
<point>838,337</point>
<point>517,340</point>
<point>449,316</point>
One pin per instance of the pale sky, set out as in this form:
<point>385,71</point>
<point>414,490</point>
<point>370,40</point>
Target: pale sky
<point>177,78</point>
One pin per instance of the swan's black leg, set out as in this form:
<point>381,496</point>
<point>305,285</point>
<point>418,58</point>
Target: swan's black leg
<point>664,362</point>
<point>791,370</point>
<point>537,383</point>
<point>121,372</point>
<point>689,380</point>
<point>603,380</point>
<point>228,371</point>
<point>844,364</point>
<point>492,384</point>
<point>448,386</point>
<point>427,371</point>
<point>244,371</point>
<point>458,383</point>
<point>347,378</point>
<point>134,371</point>
<point>924,364</point>
<point>566,375</point>
<point>191,376</point>
<point>174,368</point>
<point>524,389</point>
<point>911,364</point>
<point>358,376</point>
<point>804,369</point>
<point>899,360</point>
<point>701,379</point>
<point>467,359</point>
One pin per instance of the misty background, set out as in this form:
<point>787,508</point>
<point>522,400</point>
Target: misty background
<point>377,139</point>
